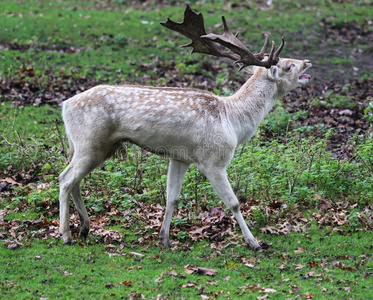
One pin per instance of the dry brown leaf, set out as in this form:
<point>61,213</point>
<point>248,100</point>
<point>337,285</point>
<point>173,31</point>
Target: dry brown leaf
<point>136,295</point>
<point>190,269</point>
<point>324,205</point>
<point>10,181</point>
<point>66,273</point>
<point>300,250</point>
<point>131,254</point>
<point>127,283</point>
<point>189,285</point>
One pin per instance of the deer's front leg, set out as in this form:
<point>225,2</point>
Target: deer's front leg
<point>219,180</point>
<point>175,177</point>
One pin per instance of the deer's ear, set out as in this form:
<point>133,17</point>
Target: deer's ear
<point>273,73</point>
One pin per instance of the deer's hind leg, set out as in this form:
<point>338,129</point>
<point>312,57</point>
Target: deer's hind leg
<point>84,160</point>
<point>82,212</point>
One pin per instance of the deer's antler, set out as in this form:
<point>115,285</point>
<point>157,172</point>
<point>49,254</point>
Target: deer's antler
<point>193,28</point>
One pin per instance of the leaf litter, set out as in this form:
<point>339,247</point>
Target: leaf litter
<point>216,225</point>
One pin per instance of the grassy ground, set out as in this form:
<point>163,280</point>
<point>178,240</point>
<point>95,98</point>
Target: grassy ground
<point>290,182</point>
<point>110,42</point>
<point>319,265</point>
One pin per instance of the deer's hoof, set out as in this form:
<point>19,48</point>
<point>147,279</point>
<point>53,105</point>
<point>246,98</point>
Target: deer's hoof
<point>166,243</point>
<point>84,230</point>
<point>165,239</point>
<point>258,249</point>
<point>254,245</point>
<point>67,238</point>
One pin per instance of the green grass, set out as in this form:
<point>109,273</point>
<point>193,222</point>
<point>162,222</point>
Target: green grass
<point>324,264</point>
<point>30,137</point>
<point>111,42</point>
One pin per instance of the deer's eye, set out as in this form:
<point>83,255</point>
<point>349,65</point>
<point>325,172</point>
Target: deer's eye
<point>289,67</point>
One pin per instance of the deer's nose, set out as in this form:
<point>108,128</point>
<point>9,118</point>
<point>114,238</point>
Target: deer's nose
<point>306,63</point>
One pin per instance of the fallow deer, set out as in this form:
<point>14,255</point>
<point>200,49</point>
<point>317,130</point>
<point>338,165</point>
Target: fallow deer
<point>184,125</point>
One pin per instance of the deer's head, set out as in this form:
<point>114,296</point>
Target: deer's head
<point>289,73</point>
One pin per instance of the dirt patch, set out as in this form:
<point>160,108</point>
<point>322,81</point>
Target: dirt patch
<point>343,51</point>
<point>333,105</point>
<point>28,89</point>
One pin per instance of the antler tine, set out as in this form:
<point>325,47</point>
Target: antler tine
<point>263,51</point>
<point>276,55</point>
<point>247,58</point>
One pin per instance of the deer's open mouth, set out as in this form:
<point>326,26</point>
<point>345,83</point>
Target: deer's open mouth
<point>305,77</point>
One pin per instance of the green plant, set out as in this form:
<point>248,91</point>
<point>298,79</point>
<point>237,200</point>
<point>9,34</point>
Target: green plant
<point>368,113</point>
<point>280,121</point>
<point>179,222</point>
<point>182,235</point>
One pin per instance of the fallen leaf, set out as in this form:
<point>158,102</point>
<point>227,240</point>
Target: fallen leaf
<point>136,295</point>
<point>205,271</point>
<point>172,273</point>
<point>13,246</point>
<point>10,181</point>
<point>127,283</point>
<point>188,285</point>
<point>66,273</point>
<point>324,205</point>
<point>313,264</point>
<point>136,254</point>
<point>190,269</point>
<point>214,283</point>
<point>268,290</point>
<point>283,266</point>
<point>300,250</point>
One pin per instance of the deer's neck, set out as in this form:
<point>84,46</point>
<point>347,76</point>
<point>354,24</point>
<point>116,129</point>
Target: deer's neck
<point>247,108</point>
